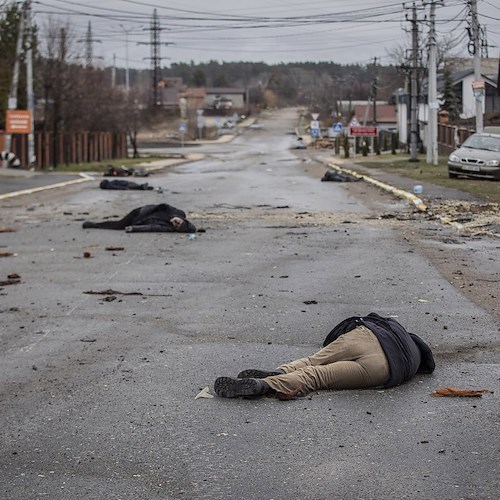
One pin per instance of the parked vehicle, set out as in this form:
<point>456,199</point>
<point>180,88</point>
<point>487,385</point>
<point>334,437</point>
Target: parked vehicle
<point>478,156</point>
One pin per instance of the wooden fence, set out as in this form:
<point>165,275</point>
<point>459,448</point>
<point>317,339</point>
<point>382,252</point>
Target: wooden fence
<point>76,147</point>
<point>449,136</point>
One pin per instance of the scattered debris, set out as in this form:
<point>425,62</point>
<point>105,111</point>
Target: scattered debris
<point>116,292</point>
<point>204,393</point>
<point>115,249</point>
<point>125,172</point>
<point>88,340</point>
<point>7,230</point>
<point>454,392</point>
<point>308,302</point>
<point>8,254</point>
<point>12,279</point>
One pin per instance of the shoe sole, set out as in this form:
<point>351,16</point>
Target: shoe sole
<point>257,374</point>
<point>227,387</point>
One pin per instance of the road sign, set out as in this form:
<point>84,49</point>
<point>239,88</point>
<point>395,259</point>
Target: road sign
<point>200,121</point>
<point>315,116</point>
<point>18,121</point>
<point>314,124</point>
<point>315,132</point>
<point>363,131</point>
<point>337,127</point>
<point>182,128</point>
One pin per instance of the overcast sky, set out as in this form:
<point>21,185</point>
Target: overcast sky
<point>271,31</point>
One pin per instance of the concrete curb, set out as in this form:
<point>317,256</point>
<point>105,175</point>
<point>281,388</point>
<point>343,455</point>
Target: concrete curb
<point>84,178</point>
<point>400,193</point>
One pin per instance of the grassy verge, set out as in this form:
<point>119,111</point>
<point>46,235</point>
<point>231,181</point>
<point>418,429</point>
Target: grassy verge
<point>422,171</point>
<point>104,165</point>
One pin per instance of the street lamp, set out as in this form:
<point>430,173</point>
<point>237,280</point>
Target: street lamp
<point>127,73</point>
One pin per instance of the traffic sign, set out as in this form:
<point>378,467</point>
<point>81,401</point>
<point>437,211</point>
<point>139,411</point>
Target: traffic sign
<point>337,127</point>
<point>363,131</point>
<point>182,128</point>
<point>315,132</point>
<point>18,121</point>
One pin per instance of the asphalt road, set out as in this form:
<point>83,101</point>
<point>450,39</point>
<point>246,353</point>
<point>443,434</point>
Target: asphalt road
<point>98,391</point>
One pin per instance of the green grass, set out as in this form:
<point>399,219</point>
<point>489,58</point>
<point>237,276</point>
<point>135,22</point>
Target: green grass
<point>422,171</point>
<point>104,165</point>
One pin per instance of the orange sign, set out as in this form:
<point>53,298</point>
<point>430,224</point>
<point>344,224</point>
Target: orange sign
<point>18,121</point>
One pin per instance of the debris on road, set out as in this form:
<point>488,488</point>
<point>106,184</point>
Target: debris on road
<point>115,249</point>
<point>467,393</point>
<point>7,230</point>
<point>12,279</point>
<point>116,292</point>
<point>125,172</point>
<point>8,254</point>
<point>204,393</point>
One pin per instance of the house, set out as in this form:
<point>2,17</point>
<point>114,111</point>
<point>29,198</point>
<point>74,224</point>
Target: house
<point>168,92</point>
<point>386,115</point>
<point>226,98</point>
<point>462,80</point>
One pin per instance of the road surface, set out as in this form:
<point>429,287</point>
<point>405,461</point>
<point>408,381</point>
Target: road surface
<point>98,390</point>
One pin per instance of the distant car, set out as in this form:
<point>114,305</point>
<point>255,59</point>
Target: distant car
<point>478,156</point>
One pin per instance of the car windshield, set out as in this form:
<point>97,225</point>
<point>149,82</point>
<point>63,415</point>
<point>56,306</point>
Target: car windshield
<point>486,142</point>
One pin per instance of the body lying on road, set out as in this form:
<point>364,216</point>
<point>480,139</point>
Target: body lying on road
<point>162,218</point>
<point>359,353</point>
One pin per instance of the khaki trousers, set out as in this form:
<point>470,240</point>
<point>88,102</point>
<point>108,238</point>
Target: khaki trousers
<point>354,361</point>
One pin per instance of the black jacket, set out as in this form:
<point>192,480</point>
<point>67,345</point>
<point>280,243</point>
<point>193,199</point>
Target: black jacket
<point>406,353</point>
<point>148,219</point>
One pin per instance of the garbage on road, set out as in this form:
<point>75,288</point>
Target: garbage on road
<point>455,392</point>
<point>12,279</point>
<point>125,172</point>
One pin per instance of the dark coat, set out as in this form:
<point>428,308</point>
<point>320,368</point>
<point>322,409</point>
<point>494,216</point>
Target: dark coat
<point>148,219</point>
<point>406,353</point>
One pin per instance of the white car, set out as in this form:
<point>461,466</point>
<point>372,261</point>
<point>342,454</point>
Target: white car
<point>478,156</point>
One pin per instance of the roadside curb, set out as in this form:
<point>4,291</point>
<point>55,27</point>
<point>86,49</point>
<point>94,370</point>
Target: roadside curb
<point>83,178</point>
<point>400,193</point>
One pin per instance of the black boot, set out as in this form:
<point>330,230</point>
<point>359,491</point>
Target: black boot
<point>259,373</point>
<point>227,387</point>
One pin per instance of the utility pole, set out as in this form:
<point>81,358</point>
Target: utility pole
<point>29,85</point>
<point>433,105</point>
<point>375,143</point>
<point>127,70</point>
<point>374,91</point>
<point>12,102</point>
<point>113,72</point>
<point>413,88</point>
<point>475,47</point>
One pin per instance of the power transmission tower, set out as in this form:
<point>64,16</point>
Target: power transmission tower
<point>155,58</point>
<point>89,41</point>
